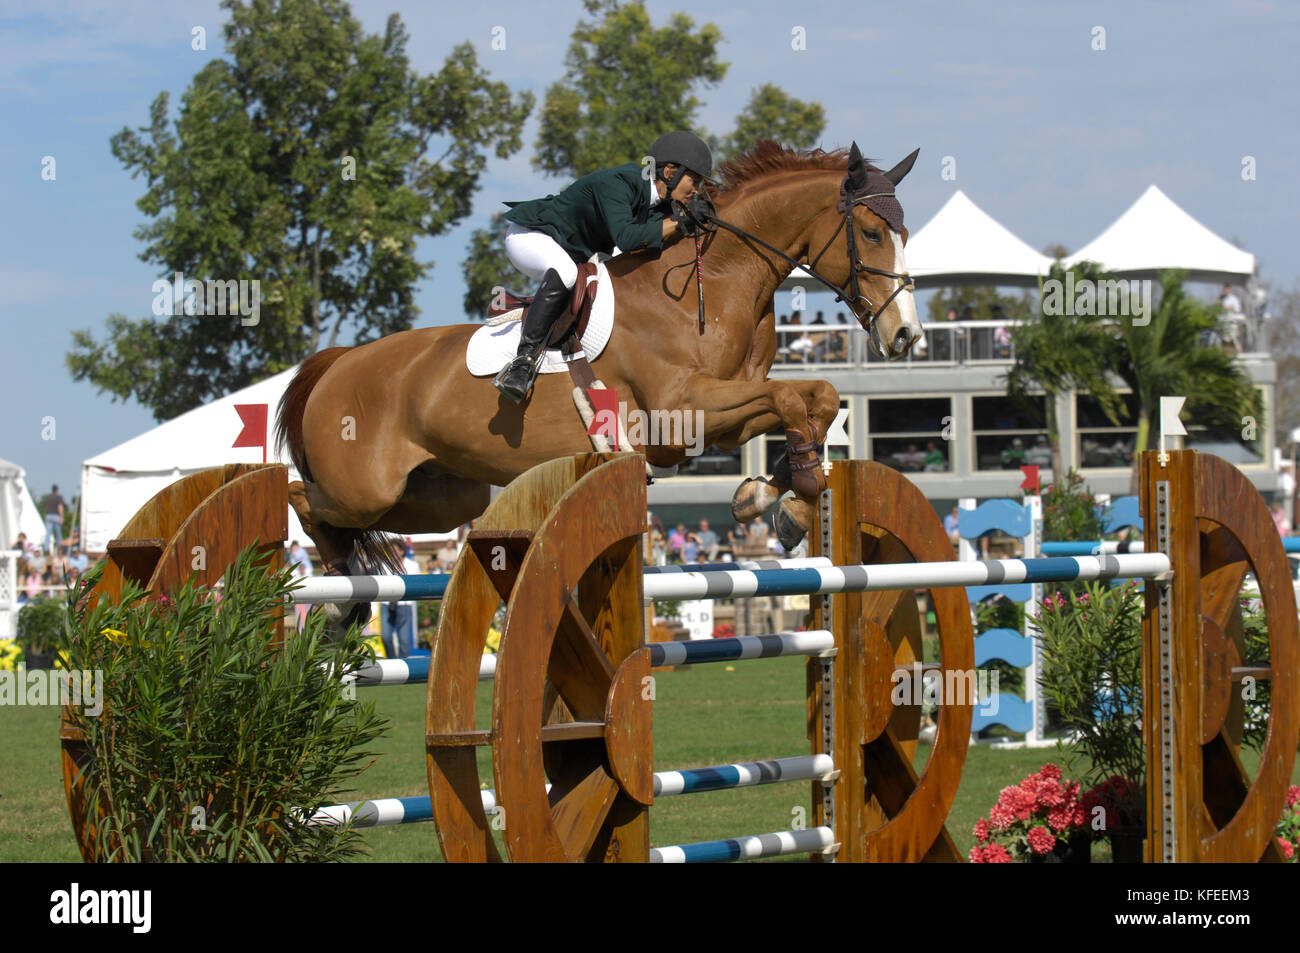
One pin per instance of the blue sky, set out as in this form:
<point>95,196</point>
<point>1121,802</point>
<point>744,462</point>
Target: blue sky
<point>1051,137</point>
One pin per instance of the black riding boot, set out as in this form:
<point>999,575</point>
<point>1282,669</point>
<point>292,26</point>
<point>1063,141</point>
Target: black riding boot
<point>516,378</point>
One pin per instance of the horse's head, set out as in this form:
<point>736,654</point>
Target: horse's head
<point>871,270</point>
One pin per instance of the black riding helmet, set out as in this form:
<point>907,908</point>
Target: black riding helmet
<point>684,150</point>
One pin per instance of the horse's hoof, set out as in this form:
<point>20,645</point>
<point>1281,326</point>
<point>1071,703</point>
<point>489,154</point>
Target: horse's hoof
<point>792,521</point>
<point>753,498</point>
<point>339,617</point>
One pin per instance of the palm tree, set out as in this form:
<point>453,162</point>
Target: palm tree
<point>1059,353</point>
<point>1169,357</point>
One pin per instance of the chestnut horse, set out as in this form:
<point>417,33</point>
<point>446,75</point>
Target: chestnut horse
<point>397,436</point>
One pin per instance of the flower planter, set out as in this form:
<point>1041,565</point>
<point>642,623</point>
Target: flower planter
<point>1126,846</point>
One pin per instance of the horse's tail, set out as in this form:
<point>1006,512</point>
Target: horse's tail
<point>288,416</point>
<point>371,547</point>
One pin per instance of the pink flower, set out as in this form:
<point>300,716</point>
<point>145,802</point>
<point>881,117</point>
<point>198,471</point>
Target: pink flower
<point>1000,818</point>
<point>1040,840</point>
<point>1288,851</point>
<point>1063,818</point>
<point>1292,795</point>
<point>1050,770</point>
<point>981,830</point>
<point>976,855</point>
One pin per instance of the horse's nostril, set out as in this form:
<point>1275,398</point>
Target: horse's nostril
<point>903,338</point>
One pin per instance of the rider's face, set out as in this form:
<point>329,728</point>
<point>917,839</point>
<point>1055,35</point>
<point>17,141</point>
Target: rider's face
<point>686,187</point>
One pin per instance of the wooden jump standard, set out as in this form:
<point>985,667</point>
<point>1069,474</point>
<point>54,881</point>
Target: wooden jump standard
<point>560,544</point>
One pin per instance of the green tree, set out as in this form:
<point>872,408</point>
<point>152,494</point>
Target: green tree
<point>636,83</point>
<point>772,113</point>
<point>625,83</point>
<point>1170,357</point>
<point>311,160</point>
<point>1059,353</point>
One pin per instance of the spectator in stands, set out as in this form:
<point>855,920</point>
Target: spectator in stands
<point>79,562</point>
<point>300,566</point>
<point>52,506</point>
<point>708,541</point>
<point>1227,300</point>
<point>445,557</point>
<point>839,317</point>
<point>691,548</point>
<point>677,541</point>
<point>950,526</point>
<point>935,461</point>
<point>913,460</point>
<point>1280,519</point>
<point>737,540</point>
<point>1014,455</point>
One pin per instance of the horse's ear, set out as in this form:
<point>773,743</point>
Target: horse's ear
<point>896,174</point>
<point>857,177</point>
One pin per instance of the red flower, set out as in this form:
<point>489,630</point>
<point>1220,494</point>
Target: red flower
<point>981,830</point>
<point>1000,818</point>
<point>1050,770</point>
<point>996,854</point>
<point>1040,840</point>
<point>1288,851</point>
<point>1292,795</point>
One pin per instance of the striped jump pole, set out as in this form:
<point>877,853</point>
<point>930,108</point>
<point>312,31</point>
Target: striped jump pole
<point>410,671</point>
<point>813,839</point>
<point>1109,547</point>
<point>877,578</point>
<point>393,588</point>
<point>818,642</point>
<point>384,812</point>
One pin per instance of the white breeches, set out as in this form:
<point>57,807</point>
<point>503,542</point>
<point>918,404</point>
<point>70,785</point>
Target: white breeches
<point>534,252</point>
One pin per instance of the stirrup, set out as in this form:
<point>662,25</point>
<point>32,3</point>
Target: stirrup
<point>508,383</point>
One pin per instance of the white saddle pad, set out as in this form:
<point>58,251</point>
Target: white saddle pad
<point>491,348</point>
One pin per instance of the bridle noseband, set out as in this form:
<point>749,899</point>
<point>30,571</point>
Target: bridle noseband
<point>850,295</point>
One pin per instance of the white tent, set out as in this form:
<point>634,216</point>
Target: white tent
<point>117,482</point>
<point>1155,235</point>
<point>18,513</point>
<point>964,245</point>
<point>961,245</point>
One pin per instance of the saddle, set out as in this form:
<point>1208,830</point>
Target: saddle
<point>569,327</point>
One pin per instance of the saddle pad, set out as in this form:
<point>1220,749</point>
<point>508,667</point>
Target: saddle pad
<point>491,348</point>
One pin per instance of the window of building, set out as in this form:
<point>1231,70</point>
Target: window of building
<point>1009,434</point>
<point>714,461</point>
<point>1099,442</point>
<point>908,433</point>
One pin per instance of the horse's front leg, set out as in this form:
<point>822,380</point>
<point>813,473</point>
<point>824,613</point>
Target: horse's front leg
<point>736,411</point>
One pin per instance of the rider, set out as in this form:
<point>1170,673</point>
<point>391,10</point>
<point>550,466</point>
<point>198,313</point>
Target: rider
<point>618,206</point>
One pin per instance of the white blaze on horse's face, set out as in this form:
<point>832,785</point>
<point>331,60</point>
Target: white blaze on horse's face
<point>897,327</point>
<point>910,331</point>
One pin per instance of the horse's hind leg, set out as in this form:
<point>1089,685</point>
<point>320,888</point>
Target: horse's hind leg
<point>335,549</point>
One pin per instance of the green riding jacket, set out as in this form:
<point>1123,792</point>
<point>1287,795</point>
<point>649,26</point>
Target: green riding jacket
<point>598,211</point>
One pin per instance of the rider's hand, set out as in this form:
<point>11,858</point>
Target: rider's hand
<point>701,210</point>
<point>686,224</point>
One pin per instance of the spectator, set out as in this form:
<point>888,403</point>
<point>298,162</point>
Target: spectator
<point>300,566</point>
<point>950,526</point>
<point>79,562</point>
<point>1228,301</point>
<point>397,620</point>
<point>913,460</point>
<point>819,319</point>
<point>708,540</point>
<point>1001,334</point>
<point>676,541</point>
<point>1015,455</point>
<point>1234,322</point>
<point>737,538</point>
<point>839,317</point>
<point>52,506</point>
<point>935,461</point>
<point>1286,489</point>
<point>757,534</point>
<point>1279,518</point>
<point>691,548</point>
<point>445,557</point>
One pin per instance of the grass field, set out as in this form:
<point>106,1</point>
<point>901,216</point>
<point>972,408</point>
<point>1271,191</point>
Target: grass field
<point>709,714</point>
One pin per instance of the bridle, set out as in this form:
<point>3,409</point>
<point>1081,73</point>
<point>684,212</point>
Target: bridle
<point>852,294</point>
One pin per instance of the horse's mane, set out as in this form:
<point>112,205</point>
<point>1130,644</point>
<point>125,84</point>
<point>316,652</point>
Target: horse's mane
<point>768,158</point>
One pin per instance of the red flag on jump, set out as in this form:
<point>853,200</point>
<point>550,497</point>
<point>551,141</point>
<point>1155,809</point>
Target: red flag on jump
<point>1031,478</point>
<point>254,417</point>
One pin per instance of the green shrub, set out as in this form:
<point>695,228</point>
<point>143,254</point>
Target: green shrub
<point>40,626</point>
<point>1092,674</point>
<point>216,741</point>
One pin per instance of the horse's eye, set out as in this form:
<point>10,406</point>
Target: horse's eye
<point>871,235</point>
